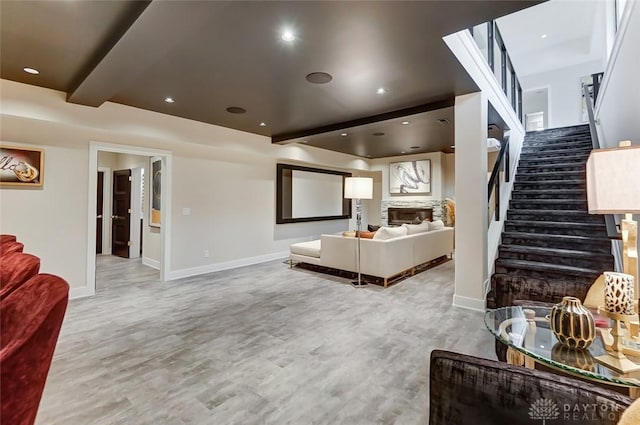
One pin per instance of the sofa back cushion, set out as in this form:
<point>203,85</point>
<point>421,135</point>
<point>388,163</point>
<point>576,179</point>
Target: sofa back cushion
<point>385,233</point>
<point>436,225</point>
<point>413,229</point>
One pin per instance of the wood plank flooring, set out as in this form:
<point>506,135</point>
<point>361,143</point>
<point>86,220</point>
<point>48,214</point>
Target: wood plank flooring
<point>263,344</point>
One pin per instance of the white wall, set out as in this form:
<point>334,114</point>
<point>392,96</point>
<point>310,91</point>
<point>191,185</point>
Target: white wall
<point>468,54</point>
<point>449,176</point>
<point>564,91</point>
<point>617,107</point>
<point>226,177</point>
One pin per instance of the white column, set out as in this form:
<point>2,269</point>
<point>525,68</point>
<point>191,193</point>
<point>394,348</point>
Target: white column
<point>471,200</point>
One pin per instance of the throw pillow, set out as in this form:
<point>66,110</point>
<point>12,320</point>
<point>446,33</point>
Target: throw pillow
<point>349,234</point>
<point>367,235</point>
<point>412,229</point>
<point>417,220</point>
<point>436,225</point>
<point>385,233</point>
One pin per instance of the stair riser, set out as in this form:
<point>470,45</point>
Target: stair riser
<point>556,216</point>
<point>576,175</point>
<point>528,204</point>
<point>587,263</point>
<point>594,233</point>
<point>533,169</point>
<point>593,246</point>
<point>559,142</point>
<point>545,185</point>
<point>586,279</point>
<point>520,195</point>
<point>575,159</point>
<point>576,149</point>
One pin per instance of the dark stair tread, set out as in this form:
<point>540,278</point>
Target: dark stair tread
<point>533,157</point>
<point>580,174</point>
<point>549,191</point>
<point>556,252</point>
<point>571,238</point>
<point>545,267</point>
<point>563,224</point>
<point>567,181</point>
<point>556,165</point>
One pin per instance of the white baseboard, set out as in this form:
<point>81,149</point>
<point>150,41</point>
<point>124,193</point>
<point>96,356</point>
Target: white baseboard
<point>469,303</point>
<point>211,268</point>
<point>154,264</point>
<point>81,292</point>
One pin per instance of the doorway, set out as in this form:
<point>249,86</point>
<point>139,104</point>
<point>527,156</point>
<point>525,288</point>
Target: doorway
<point>536,109</point>
<point>118,206</point>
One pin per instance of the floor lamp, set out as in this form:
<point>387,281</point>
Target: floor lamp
<point>358,188</point>
<point>613,187</point>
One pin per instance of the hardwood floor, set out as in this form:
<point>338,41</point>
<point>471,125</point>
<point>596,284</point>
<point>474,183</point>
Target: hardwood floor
<point>263,344</point>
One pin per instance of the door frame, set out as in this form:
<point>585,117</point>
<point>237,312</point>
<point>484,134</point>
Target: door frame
<point>546,87</point>
<point>106,210</point>
<point>165,206</point>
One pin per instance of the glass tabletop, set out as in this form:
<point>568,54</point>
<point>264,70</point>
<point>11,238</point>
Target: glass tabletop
<point>509,325</point>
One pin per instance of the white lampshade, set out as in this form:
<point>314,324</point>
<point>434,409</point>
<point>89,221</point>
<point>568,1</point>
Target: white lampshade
<point>358,188</point>
<point>613,180</point>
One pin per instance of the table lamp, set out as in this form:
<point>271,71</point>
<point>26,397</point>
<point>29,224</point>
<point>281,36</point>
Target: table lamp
<point>358,188</point>
<point>613,187</point>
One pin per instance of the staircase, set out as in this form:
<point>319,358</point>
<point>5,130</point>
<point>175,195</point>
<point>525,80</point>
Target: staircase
<point>551,246</point>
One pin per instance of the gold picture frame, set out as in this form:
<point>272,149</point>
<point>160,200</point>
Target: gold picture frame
<point>21,167</point>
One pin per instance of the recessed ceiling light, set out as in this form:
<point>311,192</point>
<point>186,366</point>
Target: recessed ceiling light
<point>368,156</point>
<point>262,124</point>
<point>543,36</point>
<point>303,141</point>
<point>405,122</point>
<point>414,147</point>
<point>31,70</point>
<point>452,146</point>
<point>236,110</point>
<point>343,134</point>
<point>443,121</point>
<point>381,90</point>
<point>319,77</point>
<point>378,133</point>
<point>169,99</point>
<point>288,35</point>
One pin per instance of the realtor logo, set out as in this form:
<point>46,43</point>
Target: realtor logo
<point>544,409</point>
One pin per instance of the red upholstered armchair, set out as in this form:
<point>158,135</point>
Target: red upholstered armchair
<point>15,269</point>
<point>30,321</point>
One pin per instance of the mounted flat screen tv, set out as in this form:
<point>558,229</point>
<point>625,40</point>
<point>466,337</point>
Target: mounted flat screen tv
<point>310,194</point>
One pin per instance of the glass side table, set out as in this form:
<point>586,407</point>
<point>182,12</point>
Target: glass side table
<point>532,341</point>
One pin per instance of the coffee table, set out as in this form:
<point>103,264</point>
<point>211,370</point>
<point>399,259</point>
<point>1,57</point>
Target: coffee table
<point>531,342</point>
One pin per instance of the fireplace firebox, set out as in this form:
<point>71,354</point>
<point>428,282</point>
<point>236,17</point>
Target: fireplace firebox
<point>398,216</point>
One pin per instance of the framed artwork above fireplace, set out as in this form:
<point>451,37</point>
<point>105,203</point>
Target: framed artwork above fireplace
<point>410,177</point>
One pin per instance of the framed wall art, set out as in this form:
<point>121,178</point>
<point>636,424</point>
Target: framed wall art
<point>410,177</point>
<point>155,191</point>
<point>21,167</point>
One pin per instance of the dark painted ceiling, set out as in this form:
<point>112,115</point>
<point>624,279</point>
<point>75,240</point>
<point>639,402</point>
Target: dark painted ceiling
<point>211,55</point>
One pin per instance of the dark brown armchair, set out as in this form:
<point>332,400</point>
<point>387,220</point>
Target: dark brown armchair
<point>466,390</point>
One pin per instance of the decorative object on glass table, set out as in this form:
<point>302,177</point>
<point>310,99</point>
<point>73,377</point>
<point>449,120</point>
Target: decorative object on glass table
<point>572,323</point>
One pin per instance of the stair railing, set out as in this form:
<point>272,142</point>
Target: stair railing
<point>609,220</point>
<point>502,164</point>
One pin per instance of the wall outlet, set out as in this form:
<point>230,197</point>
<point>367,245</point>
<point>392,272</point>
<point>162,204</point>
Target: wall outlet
<point>206,253</point>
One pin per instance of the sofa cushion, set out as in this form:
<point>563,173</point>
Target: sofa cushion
<point>413,229</point>
<point>385,233</point>
<point>436,225</point>
<point>310,249</point>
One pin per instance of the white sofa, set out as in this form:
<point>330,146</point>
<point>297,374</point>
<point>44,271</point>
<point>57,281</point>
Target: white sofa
<point>380,258</point>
